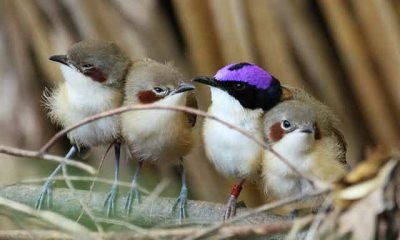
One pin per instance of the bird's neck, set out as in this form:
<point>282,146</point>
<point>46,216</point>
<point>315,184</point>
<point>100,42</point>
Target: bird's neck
<point>295,144</point>
<point>83,92</point>
<point>227,107</point>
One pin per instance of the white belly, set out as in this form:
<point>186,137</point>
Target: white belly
<point>80,97</point>
<point>158,134</point>
<point>232,153</point>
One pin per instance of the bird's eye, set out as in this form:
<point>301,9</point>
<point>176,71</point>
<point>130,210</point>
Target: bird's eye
<point>286,124</point>
<point>159,90</point>
<point>239,86</point>
<point>87,66</point>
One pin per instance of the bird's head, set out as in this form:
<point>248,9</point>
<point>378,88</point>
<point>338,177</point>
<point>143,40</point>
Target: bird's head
<point>247,83</point>
<point>154,82</point>
<point>292,123</point>
<point>98,61</point>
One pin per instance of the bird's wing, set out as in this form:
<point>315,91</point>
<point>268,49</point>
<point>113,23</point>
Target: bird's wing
<point>192,103</point>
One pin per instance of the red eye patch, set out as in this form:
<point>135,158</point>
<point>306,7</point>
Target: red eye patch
<point>96,74</point>
<point>317,135</point>
<point>276,132</point>
<point>148,96</point>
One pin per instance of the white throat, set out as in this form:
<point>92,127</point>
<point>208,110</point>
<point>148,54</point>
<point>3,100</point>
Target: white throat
<point>296,147</point>
<point>224,105</point>
<point>84,92</point>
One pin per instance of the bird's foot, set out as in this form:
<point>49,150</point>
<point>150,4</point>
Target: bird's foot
<point>133,197</point>
<point>110,203</point>
<point>181,201</point>
<point>230,208</point>
<point>45,198</point>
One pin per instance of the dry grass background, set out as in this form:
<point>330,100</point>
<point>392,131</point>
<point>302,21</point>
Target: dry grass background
<point>346,53</point>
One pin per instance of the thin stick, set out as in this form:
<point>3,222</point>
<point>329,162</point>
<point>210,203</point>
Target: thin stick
<point>34,154</point>
<point>84,206</point>
<point>176,233</point>
<point>311,234</point>
<point>50,217</point>
<point>95,178</point>
<point>84,179</point>
<point>123,109</point>
<point>266,229</point>
<point>122,223</point>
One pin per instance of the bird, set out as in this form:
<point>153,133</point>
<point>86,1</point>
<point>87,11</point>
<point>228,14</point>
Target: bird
<point>305,132</point>
<point>241,93</point>
<point>157,136</point>
<point>94,73</point>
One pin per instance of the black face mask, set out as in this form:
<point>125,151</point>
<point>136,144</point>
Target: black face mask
<point>250,96</point>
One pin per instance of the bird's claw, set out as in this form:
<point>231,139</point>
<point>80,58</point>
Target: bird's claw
<point>110,202</point>
<point>182,202</point>
<point>44,200</point>
<point>230,208</point>
<point>133,197</point>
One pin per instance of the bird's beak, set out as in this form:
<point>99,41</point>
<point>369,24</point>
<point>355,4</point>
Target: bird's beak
<point>183,87</point>
<point>308,130</point>
<point>206,80</point>
<point>60,58</point>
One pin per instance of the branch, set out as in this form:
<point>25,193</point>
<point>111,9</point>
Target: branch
<point>128,108</point>
<point>240,231</point>
<point>151,212</point>
<point>33,154</point>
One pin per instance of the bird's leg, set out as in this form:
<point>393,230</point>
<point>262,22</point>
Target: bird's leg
<point>110,203</point>
<point>231,206</point>
<point>134,194</point>
<point>182,199</point>
<point>45,195</point>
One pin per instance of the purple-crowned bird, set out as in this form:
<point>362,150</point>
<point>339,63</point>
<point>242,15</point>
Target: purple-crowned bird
<point>240,93</point>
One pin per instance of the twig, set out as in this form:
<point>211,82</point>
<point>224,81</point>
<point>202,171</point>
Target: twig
<point>50,217</point>
<point>122,223</point>
<point>83,205</point>
<point>123,109</point>
<point>33,154</point>
<point>263,208</point>
<point>95,178</point>
<point>84,178</point>
<point>267,229</point>
<point>318,219</point>
<point>238,231</point>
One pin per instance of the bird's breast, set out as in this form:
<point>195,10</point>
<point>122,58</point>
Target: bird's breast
<point>156,134</point>
<point>232,153</point>
<point>70,104</point>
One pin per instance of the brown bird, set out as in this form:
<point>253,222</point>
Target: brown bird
<point>94,73</point>
<point>304,132</point>
<point>158,136</point>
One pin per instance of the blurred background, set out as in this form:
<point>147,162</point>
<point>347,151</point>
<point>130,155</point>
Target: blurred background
<point>346,53</point>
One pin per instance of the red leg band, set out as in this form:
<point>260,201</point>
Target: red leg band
<point>236,189</point>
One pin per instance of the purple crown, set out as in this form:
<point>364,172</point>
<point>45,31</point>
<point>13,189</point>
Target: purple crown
<point>245,72</point>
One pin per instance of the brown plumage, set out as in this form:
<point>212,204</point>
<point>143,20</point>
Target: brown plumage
<point>159,136</point>
<point>153,134</point>
<point>304,131</point>
<point>94,73</point>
